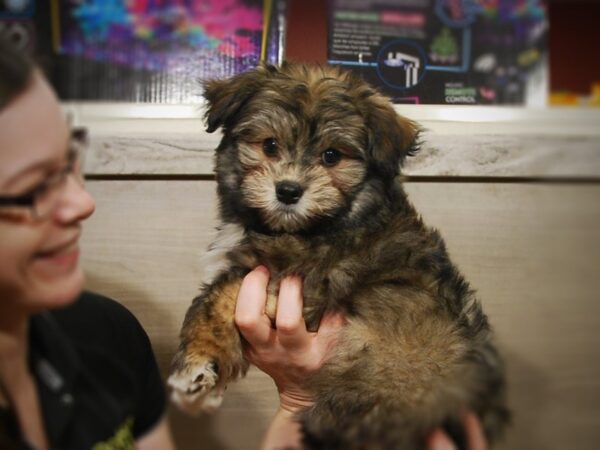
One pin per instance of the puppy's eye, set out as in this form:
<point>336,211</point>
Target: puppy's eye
<point>270,147</point>
<point>331,157</point>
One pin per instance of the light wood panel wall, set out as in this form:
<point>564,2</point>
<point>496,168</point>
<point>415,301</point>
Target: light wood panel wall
<point>515,193</point>
<point>458,141</point>
<point>532,250</point>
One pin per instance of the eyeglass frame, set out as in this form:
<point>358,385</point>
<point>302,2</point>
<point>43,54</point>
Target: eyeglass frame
<point>77,142</point>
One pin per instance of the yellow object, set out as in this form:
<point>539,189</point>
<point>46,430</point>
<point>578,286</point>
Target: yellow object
<point>595,97</point>
<point>55,18</point>
<point>564,99</point>
<point>267,7</point>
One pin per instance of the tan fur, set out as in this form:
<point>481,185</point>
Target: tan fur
<point>417,349</point>
<point>218,339</point>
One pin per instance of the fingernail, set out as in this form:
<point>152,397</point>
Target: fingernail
<point>439,441</point>
<point>298,282</point>
<point>262,269</point>
<point>333,321</point>
<point>297,278</point>
<point>339,318</point>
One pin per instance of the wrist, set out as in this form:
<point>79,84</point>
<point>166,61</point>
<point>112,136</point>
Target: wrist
<point>294,400</point>
<point>283,432</point>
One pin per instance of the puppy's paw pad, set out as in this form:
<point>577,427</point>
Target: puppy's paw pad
<point>194,388</point>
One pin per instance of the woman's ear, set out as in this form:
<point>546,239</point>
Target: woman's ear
<point>226,98</point>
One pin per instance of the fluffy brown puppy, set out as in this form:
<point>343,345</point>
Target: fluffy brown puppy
<point>308,184</point>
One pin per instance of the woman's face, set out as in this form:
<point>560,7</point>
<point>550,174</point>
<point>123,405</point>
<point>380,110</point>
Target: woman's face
<point>38,256</point>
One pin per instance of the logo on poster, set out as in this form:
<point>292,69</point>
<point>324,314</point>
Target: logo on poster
<point>401,64</point>
<point>457,93</point>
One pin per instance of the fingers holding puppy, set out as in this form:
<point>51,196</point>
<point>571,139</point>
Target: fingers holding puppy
<point>250,316</point>
<point>289,322</point>
<point>254,324</point>
<point>287,352</point>
<point>438,440</point>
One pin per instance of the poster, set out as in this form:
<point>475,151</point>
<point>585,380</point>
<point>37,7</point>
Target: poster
<point>444,51</point>
<point>18,24</point>
<point>147,50</point>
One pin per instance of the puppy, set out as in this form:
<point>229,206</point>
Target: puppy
<point>307,175</point>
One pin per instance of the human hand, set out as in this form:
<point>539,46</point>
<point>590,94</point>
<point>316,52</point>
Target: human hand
<point>438,440</point>
<point>288,353</point>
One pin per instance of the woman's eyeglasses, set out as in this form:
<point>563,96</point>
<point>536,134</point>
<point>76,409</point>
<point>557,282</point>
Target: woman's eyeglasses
<point>42,200</point>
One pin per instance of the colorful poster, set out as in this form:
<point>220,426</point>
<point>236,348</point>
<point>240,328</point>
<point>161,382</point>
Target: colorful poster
<point>150,50</point>
<point>17,23</point>
<point>443,51</point>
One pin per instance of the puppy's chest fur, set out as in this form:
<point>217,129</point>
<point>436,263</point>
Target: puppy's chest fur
<point>338,264</point>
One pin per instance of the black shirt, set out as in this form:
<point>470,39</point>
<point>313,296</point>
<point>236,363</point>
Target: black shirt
<point>98,382</point>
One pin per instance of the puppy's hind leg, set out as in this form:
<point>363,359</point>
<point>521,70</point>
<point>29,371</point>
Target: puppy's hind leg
<point>210,349</point>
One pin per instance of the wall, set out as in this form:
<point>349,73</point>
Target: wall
<point>514,193</point>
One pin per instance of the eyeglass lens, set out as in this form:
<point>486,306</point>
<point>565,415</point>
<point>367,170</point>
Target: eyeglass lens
<point>47,198</point>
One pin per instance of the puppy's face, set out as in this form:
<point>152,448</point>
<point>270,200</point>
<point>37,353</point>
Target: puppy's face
<point>301,143</point>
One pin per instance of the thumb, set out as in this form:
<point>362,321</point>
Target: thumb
<point>329,330</point>
<point>438,440</point>
<point>331,323</point>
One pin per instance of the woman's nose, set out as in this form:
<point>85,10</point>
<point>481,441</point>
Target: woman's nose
<point>76,204</point>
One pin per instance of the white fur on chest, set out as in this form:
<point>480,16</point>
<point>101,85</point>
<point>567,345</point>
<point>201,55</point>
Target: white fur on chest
<point>215,261</point>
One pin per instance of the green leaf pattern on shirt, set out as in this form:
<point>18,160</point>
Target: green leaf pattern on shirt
<point>122,439</point>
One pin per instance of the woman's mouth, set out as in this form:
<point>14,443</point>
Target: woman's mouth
<point>62,257</point>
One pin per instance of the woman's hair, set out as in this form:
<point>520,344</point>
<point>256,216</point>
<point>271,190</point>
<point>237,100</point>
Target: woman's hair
<point>16,70</point>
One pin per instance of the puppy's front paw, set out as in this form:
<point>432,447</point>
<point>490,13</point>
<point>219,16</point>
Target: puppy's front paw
<point>195,387</point>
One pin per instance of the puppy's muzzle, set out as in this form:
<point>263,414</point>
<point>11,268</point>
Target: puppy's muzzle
<point>288,192</point>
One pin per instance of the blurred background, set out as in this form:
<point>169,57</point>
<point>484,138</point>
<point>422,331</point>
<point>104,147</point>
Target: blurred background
<point>519,52</point>
<point>509,170</point>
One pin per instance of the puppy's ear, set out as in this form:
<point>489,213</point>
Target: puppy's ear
<point>225,98</point>
<point>391,137</point>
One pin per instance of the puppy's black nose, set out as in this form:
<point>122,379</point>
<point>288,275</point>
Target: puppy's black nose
<point>288,192</point>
